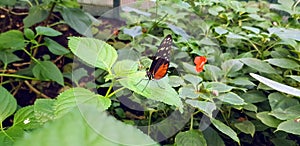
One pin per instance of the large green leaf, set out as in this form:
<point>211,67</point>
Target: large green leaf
<point>47,70</point>
<point>94,52</point>
<point>291,112</point>
<point>47,31</point>
<point>279,102</point>
<point>86,125</point>
<point>44,110</point>
<point>277,86</point>
<point>218,86</point>
<point>8,104</point>
<point>125,67</point>
<point>36,14</point>
<point>78,20</point>
<point>231,66</point>
<point>259,65</point>
<point>267,119</point>
<point>254,96</point>
<point>246,127</point>
<point>74,97</point>
<point>55,47</point>
<point>284,63</point>
<point>190,138</point>
<point>290,126</point>
<point>12,39</point>
<point>158,90</point>
<point>225,129</point>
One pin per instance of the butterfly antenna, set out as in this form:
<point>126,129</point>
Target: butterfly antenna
<point>146,85</point>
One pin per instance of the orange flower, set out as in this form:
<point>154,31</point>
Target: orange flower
<point>200,61</point>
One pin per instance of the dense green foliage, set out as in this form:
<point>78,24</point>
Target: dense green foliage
<point>247,94</point>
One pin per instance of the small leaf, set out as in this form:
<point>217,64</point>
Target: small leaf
<point>195,80</point>
<point>29,34</point>
<point>190,138</point>
<point>36,14</point>
<point>8,57</point>
<point>284,63</point>
<point>94,52</point>
<point>225,129</point>
<point>231,98</point>
<point>47,70</point>
<point>179,31</point>
<point>258,65</point>
<point>246,127</point>
<point>12,39</point>
<point>277,86</point>
<point>55,47</point>
<point>81,23</point>
<point>47,31</point>
<point>253,29</point>
<point>254,96</point>
<point>235,36</point>
<point>220,87</point>
<point>8,104</point>
<point>267,119</point>
<point>297,78</point>
<point>134,31</point>
<point>220,30</point>
<point>242,81</point>
<point>207,107</point>
<point>290,126</point>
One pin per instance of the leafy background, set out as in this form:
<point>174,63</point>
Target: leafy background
<point>248,93</point>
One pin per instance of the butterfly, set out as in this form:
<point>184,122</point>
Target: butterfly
<point>161,61</point>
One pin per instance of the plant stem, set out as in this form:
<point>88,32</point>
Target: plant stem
<point>109,89</point>
<point>18,76</point>
<point>1,128</point>
<point>118,90</point>
<point>192,121</point>
<point>35,60</point>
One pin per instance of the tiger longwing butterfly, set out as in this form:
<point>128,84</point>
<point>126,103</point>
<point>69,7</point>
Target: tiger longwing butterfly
<point>161,61</point>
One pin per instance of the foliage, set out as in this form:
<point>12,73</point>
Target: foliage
<point>247,93</point>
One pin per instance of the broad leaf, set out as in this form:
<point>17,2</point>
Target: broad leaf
<point>8,57</point>
<point>284,63</point>
<point>125,67</point>
<point>188,92</point>
<point>12,39</point>
<point>25,118</point>
<point>195,80</point>
<point>78,20</point>
<point>258,65</point>
<point>86,125</point>
<point>291,112</point>
<point>134,31</point>
<point>212,137</point>
<point>158,90</point>
<point>290,126</point>
<point>8,104</point>
<point>231,98</point>
<point>190,138</point>
<point>231,66</point>
<point>279,102</point>
<point>94,52</point>
<point>297,78</point>
<point>246,127</point>
<point>225,129</point>
<point>36,14</point>
<point>47,70</point>
<point>277,86</point>
<point>74,97</point>
<point>218,86</point>
<point>254,96</point>
<point>267,119</point>
<point>207,107</point>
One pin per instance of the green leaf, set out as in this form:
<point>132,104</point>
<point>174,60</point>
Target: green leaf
<point>8,2</point>
<point>231,98</point>
<point>297,78</point>
<point>176,81</point>
<point>190,138</point>
<point>74,97</point>
<point>253,29</point>
<point>47,70</point>
<point>179,31</point>
<point>220,30</point>
<point>279,101</point>
<point>8,57</point>
<point>134,31</point>
<point>285,33</point>
<point>254,96</point>
<point>267,119</point>
<point>225,129</point>
<point>85,125</point>
<point>94,52</point>
<point>125,67</point>
<point>195,80</point>
<point>258,65</point>
<point>78,20</point>
<point>25,118</point>
<point>284,63</point>
<point>242,81</point>
<point>290,126</point>
<point>8,104</point>
<point>36,14</point>
<point>187,92</point>
<point>218,86</point>
<point>55,47</point>
<point>231,66</point>
<point>291,112</point>
<point>29,34</point>
<point>277,86</point>
<point>15,134</point>
<point>212,137</point>
<point>12,39</point>
<point>44,110</point>
<point>207,107</point>
<point>235,36</point>
<point>47,31</point>
<point>246,127</point>
<point>158,90</point>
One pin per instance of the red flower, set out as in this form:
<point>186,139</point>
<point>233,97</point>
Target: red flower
<point>200,61</point>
